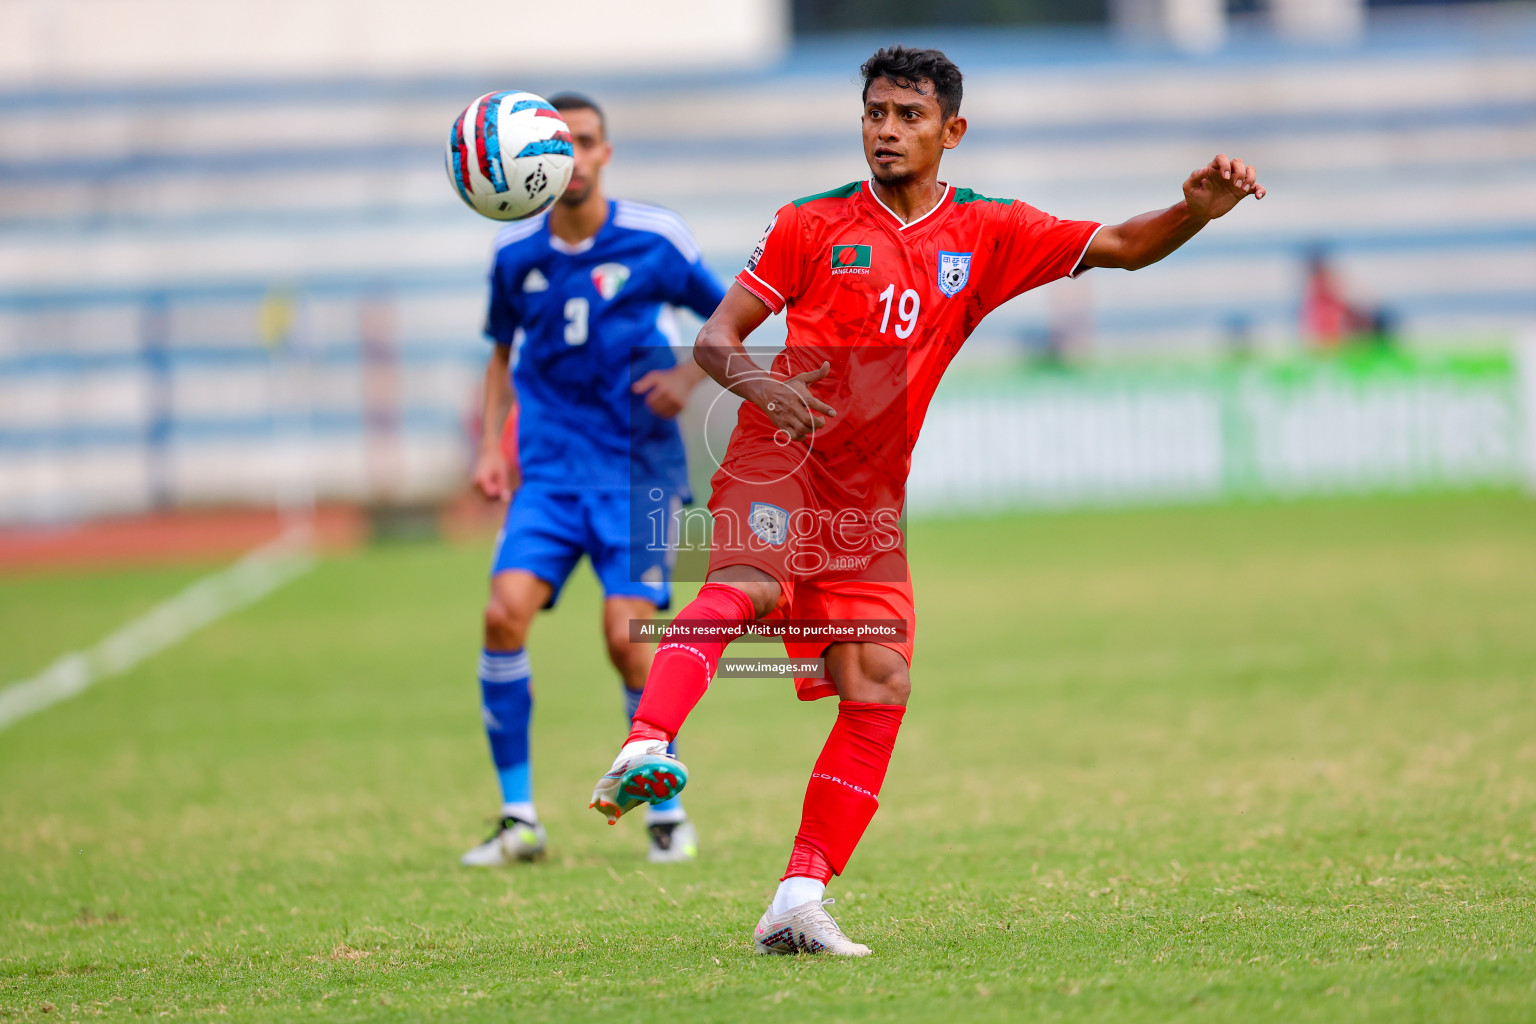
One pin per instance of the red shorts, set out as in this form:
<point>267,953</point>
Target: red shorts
<point>849,599</point>
<point>830,563</point>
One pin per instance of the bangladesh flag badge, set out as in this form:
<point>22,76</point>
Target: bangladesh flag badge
<point>850,259</point>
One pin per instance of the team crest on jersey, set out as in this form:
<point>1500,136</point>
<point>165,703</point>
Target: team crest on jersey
<point>769,522</point>
<point>954,271</point>
<point>535,281</point>
<point>608,278</point>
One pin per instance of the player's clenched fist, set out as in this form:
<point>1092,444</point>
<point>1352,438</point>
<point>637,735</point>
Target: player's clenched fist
<point>493,479</point>
<point>666,391</point>
<point>1220,185</point>
<point>790,404</point>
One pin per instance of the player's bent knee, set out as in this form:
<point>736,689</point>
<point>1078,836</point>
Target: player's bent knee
<point>896,688</point>
<point>761,589</point>
<point>869,673</point>
<point>893,689</point>
<point>515,598</point>
<point>626,656</point>
<point>505,630</point>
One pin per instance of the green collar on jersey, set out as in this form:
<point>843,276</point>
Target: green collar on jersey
<point>961,195</point>
<point>841,192</point>
<point>965,195</point>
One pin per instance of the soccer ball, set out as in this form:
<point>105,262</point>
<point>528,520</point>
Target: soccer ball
<point>509,155</point>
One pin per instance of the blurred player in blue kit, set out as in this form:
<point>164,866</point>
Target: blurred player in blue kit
<point>580,318</point>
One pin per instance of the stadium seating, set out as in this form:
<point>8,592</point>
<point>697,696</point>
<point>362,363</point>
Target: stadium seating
<point>230,290</point>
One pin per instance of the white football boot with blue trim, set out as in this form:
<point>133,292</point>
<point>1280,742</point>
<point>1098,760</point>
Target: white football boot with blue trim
<point>643,773</point>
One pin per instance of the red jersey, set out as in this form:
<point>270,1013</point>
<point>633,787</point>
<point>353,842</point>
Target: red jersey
<point>888,304</point>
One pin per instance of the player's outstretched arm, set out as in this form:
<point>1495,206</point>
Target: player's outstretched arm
<point>1210,192</point>
<point>720,353</point>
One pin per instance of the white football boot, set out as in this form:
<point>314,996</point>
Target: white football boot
<point>807,928</point>
<point>643,773</point>
<point>672,842</point>
<point>513,840</point>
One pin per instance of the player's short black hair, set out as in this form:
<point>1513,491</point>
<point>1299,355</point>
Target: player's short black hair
<point>576,101</point>
<point>908,67</point>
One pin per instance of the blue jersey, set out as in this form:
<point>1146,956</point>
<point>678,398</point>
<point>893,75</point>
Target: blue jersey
<point>588,321</point>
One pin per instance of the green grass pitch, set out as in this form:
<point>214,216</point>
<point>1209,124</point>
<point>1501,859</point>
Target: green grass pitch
<point>1222,764</point>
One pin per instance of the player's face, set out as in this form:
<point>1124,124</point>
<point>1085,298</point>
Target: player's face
<point>906,132</point>
<point>592,153</point>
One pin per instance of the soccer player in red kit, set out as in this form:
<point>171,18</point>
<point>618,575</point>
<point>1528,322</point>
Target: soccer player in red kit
<point>882,281</point>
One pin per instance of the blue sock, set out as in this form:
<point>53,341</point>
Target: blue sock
<point>506,694</point>
<point>667,808</point>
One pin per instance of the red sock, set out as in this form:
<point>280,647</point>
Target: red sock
<point>683,667</point>
<point>841,797</point>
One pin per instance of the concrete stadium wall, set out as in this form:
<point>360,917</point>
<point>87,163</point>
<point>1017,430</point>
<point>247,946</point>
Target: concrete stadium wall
<point>143,229</point>
<point>62,42</point>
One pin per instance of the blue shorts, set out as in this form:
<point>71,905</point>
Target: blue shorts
<point>547,531</point>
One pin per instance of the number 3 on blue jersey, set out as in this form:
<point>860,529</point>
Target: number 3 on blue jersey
<point>576,321</point>
<point>591,322</point>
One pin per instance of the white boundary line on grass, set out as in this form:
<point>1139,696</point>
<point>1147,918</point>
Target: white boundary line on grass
<point>211,598</point>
